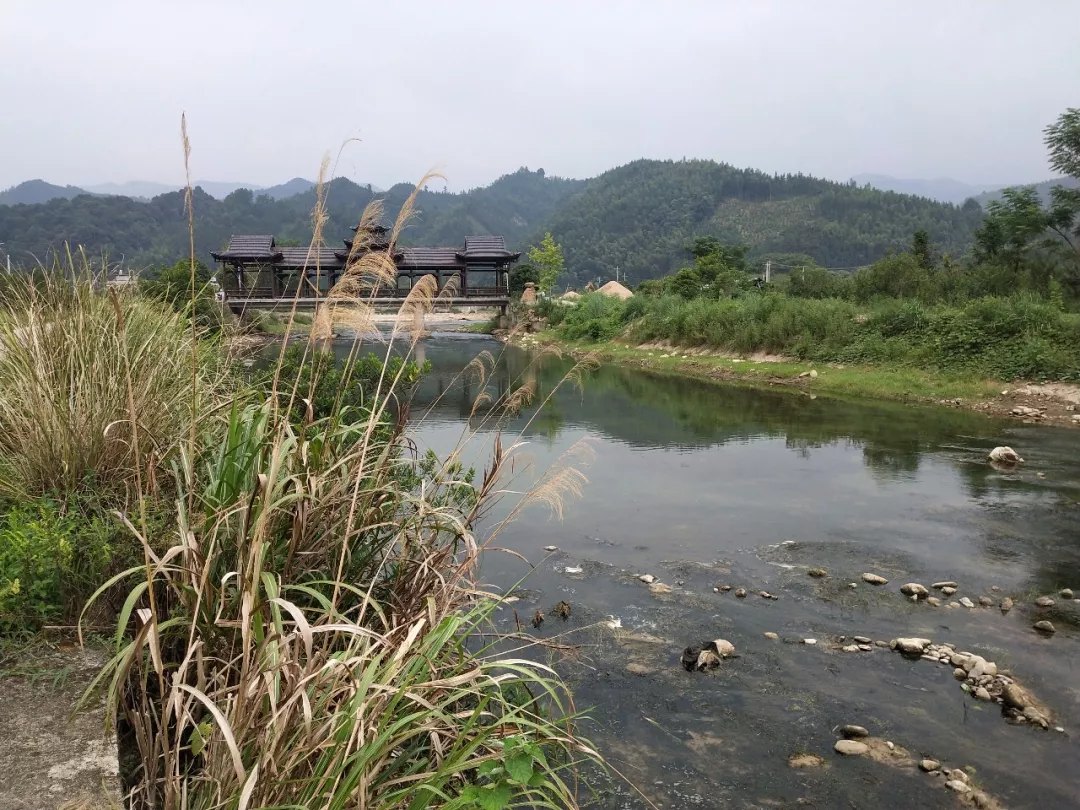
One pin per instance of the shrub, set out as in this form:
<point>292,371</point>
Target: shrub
<point>597,317</point>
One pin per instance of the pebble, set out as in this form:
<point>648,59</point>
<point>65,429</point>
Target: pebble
<point>648,579</point>
<point>551,548</point>
<point>1066,593</point>
<point>1045,627</point>
<point>1006,605</point>
<point>716,590</point>
<point>949,590</point>
<point>913,589</point>
<point>995,588</point>
<point>929,765</point>
<point>892,745</point>
<point>946,584</point>
<point>771,636</point>
<point>953,605</point>
<point>865,647</point>
<point>874,579</point>
<point>853,585</point>
<point>741,593</point>
<point>852,732</point>
<point>1059,729</point>
<point>1044,601</point>
<point>725,588</point>
<point>817,573</point>
<point>933,601</point>
<point>810,641</point>
<point>851,748</point>
<point>986,601</point>
<point>966,602</point>
<point>860,639</point>
<point>882,644</point>
<point>958,775</point>
<point>850,648</point>
<point>959,674</point>
<point>958,786</point>
<point>982,693</point>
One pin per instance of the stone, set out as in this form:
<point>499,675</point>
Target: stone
<point>638,669</point>
<point>937,586</point>
<point>850,648</point>
<point>949,590</point>
<point>874,579</point>
<point>1006,455</point>
<point>958,786</point>
<point>853,732</point>
<point>953,605</point>
<point>716,590</point>
<point>573,569</point>
<point>1024,410</point>
<point>722,647</point>
<point>1016,697</point>
<point>853,585</point>
<point>1033,715</point>
<point>929,765</point>
<point>959,775</point>
<point>959,674</point>
<point>813,374</point>
<point>805,761</point>
<point>851,748</point>
<point>933,601</point>
<point>986,601</point>
<point>882,644</point>
<point>817,573</point>
<point>659,588</point>
<point>771,636</point>
<point>741,593</point>
<point>913,589</point>
<point>982,693</point>
<point>1066,593</point>
<point>860,639</point>
<point>966,602</point>
<point>1044,601</point>
<point>551,548</point>
<point>910,646</point>
<point>1006,605</point>
<point>765,594</point>
<point>865,647</point>
<point>1044,627</point>
<point>809,641</point>
<point>648,579</point>
<point>725,588</point>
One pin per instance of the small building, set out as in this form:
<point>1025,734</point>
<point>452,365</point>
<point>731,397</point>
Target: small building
<point>256,267</point>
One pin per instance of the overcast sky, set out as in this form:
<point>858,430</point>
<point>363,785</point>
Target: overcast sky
<point>93,91</point>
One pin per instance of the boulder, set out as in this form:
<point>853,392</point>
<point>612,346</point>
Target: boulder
<point>929,765</point>
<point>1045,627</point>
<point>851,748</point>
<point>910,646</point>
<point>986,601</point>
<point>721,646</point>
<point>1016,697</point>
<point>874,579</point>
<point>913,589</point>
<point>1006,455</point>
<point>1066,593</point>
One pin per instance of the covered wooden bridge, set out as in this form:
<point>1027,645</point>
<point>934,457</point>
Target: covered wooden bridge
<point>256,271</point>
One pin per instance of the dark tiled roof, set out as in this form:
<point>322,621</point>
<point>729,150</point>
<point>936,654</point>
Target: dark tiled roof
<point>249,247</point>
<point>379,229</point>
<point>430,257</point>
<point>302,256</point>
<point>486,247</point>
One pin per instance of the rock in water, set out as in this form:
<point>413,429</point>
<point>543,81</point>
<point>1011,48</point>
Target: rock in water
<point>910,646</point>
<point>929,765</point>
<point>874,579</point>
<point>854,732</point>
<point>1066,593</point>
<point>949,590</point>
<point>1016,697</point>
<point>937,586</point>
<point>913,589</point>
<point>707,659</point>
<point>1045,627</point>
<point>771,636</point>
<point>1006,455</point>
<point>982,693</point>
<point>741,593</point>
<point>958,786</point>
<point>860,639</point>
<point>986,601</point>
<point>1044,601</point>
<point>851,748</point>
<point>809,641</point>
<point>966,602</point>
<point>1006,605</point>
<point>721,647</point>
<point>648,579</point>
<point>933,601</point>
<point>817,573</point>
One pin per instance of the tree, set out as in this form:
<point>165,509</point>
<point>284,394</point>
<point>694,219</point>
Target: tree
<point>920,249</point>
<point>1062,139</point>
<point>521,275</point>
<point>1012,225</point>
<point>548,259</point>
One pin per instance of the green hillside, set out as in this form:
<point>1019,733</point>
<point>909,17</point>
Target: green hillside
<point>641,217</point>
<point>37,191</point>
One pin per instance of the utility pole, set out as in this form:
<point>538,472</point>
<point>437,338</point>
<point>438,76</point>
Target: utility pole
<point>616,272</point>
<point>768,271</point>
<point>8,255</point>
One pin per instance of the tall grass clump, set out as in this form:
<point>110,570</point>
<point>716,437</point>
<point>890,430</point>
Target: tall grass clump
<point>86,375</point>
<point>310,630</point>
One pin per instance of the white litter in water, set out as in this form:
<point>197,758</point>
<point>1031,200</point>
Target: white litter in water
<point>573,569</point>
<point>613,623</point>
<point>551,548</point>
<point>783,565</point>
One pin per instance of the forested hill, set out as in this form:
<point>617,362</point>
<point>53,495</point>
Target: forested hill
<point>156,232</point>
<point>638,217</point>
<point>641,216</point>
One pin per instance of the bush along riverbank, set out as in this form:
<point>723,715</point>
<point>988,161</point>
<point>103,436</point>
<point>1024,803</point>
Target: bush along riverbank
<point>1016,356</point>
<point>291,586</point>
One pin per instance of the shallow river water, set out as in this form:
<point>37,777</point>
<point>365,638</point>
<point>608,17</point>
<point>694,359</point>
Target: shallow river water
<point>704,485</point>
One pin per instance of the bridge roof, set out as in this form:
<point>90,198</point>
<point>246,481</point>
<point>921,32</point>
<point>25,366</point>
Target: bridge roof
<point>308,257</point>
<point>414,257</point>
<point>249,247</point>
<point>486,248</point>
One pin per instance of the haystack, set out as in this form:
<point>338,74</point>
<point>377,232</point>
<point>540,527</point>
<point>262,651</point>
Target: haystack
<point>571,296</point>
<point>616,289</point>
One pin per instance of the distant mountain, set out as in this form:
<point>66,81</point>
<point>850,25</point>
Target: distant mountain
<point>135,189</point>
<point>298,185</point>
<point>641,216</point>
<point>944,189</point>
<point>1043,189</point>
<point>37,191</point>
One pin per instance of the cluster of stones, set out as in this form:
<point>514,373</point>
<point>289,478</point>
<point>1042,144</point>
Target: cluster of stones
<point>979,678</point>
<point>742,593</point>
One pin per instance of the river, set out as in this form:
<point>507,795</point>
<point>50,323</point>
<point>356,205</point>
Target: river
<point>703,485</point>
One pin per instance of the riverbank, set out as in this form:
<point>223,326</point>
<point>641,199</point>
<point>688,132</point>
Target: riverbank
<point>1052,403</point>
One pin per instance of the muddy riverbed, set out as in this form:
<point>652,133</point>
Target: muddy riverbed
<point>705,485</point>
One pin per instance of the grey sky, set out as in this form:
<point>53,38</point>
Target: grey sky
<point>92,91</point>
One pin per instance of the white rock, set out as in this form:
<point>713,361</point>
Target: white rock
<point>911,646</point>
<point>851,648</point>
<point>851,748</point>
<point>648,579</point>
<point>723,647</point>
<point>966,602</point>
<point>1006,455</point>
<point>958,786</point>
<point>1044,601</point>
<point>913,589</point>
<point>810,641</point>
<point>941,585</point>
<point>573,569</point>
<point>551,548</point>
<point>874,579</point>
<point>982,694</point>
